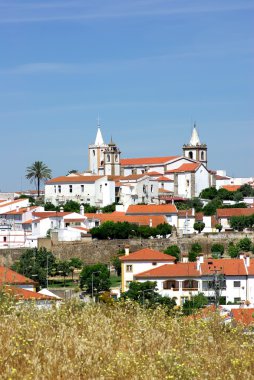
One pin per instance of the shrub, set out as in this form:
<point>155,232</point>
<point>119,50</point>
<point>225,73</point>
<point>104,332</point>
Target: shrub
<point>173,250</point>
<point>199,226</point>
<point>217,248</point>
<point>233,250</point>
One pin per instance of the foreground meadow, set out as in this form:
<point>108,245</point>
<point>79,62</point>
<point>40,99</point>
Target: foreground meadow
<point>119,342</point>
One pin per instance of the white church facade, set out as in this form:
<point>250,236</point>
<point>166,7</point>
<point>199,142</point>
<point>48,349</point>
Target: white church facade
<point>129,181</point>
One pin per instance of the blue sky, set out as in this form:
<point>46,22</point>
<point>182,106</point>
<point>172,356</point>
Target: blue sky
<point>150,68</point>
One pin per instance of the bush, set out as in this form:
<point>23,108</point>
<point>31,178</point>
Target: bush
<point>233,250</point>
<point>245,245</point>
<point>199,226</point>
<point>196,247</point>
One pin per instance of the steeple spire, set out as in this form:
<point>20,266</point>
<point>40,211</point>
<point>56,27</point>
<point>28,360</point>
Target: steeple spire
<point>194,141</point>
<point>99,139</point>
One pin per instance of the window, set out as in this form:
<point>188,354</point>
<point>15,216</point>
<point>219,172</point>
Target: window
<point>70,188</point>
<point>190,155</point>
<point>128,268</point>
<point>144,188</point>
<point>54,189</point>
<point>59,188</point>
<point>116,158</point>
<point>82,188</point>
<point>108,158</point>
<point>5,239</point>
<point>237,299</point>
<point>202,155</point>
<point>100,188</point>
<point>94,153</point>
<point>237,284</point>
<point>59,223</point>
<point>154,263</point>
<point>52,224</point>
<point>151,188</point>
<point>187,183</point>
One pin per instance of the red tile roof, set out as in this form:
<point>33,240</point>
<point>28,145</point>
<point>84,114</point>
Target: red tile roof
<point>184,213</point>
<point>133,177</point>
<point>8,276</point>
<point>186,168</point>
<point>229,212</point>
<point>161,190</point>
<point>153,174</point>
<point>75,220</point>
<point>23,294</point>
<point>151,209</point>
<point>231,187</point>
<point>142,220</point>
<point>74,179</point>
<point>199,216</point>
<point>21,211</point>
<point>169,270</point>
<point>147,160</point>
<point>48,214</point>
<point>221,177</point>
<point>164,179</point>
<point>147,254</point>
<point>12,202</point>
<point>229,267</point>
<point>243,316</point>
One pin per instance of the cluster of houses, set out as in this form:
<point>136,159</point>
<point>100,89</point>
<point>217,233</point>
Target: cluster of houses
<point>21,225</point>
<point>181,280</point>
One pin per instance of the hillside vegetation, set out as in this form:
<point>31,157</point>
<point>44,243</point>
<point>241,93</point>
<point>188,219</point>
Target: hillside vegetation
<point>120,341</point>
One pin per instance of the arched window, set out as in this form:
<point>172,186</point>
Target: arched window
<point>190,155</point>
<point>202,156</point>
<point>116,158</point>
<point>108,157</point>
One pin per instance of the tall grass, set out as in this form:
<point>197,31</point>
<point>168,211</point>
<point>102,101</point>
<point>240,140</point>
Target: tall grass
<point>119,342</point>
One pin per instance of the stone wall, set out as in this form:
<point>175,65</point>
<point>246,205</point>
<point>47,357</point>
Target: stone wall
<point>103,250</point>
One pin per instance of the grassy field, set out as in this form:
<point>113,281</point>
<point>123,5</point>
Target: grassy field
<point>119,342</point>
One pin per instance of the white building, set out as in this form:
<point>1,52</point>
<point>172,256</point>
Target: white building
<point>183,280</point>
<point>195,150</point>
<point>169,211</point>
<point>94,190</point>
<point>223,215</point>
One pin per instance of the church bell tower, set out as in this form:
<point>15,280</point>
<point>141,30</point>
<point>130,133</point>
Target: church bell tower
<point>195,150</point>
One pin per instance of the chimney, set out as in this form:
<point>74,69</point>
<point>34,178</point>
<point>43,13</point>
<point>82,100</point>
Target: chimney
<point>247,260</point>
<point>61,209</point>
<point>241,256</point>
<point>173,201</point>
<point>150,222</point>
<point>82,210</point>
<point>127,250</point>
<point>200,260</point>
<point>28,208</point>
<point>185,258</point>
<point>17,208</point>
<point>193,211</point>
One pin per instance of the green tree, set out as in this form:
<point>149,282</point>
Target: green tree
<point>225,194</point>
<point>163,229</point>
<point>145,294</point>
<point>76,262</point>
<point>35,264</point>
<point>245,244</point>
<point>217,250</point>
<point>48,206</point>
<point>98,275</point>
<point>194,303</point>
<point>192,256</point>
<point>238,222</point>
<point>218,227</point>
<point>89,209</point>
<point>246,190</point>
<point>173,250</point>
<point>199,226</point>
<point>109,208</point>
<point>38,172</point>
<point>211,207</point>
<point>238,196</point>
<point>196,247</point>
<point>209,193</point>
<point>233,250</point>
<point>72,206</point>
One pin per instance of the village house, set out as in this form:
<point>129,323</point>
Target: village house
<point>185,279</point>
<point>223,215</point>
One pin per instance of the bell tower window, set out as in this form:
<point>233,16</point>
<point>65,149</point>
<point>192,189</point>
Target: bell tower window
<point>191,155</point>
<point>202,156</point>
<point>108,158</point>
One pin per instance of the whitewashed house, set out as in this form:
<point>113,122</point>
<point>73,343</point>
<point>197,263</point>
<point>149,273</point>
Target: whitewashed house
<point>223,215</point>
<point>169,211</point>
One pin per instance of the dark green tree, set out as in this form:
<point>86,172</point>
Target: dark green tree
<point>246,190</point>
<point>35,264</point>
<point>238,222</point>
<point>196,247</point>
<point>199,226</point>
<point>173,250</point>
<point>37,173</point>
<point>98,275</point>
<point>109,208</point>
<point>245,244</point>
<point>48,206</point>
<point>163,229</point>
<point>76,262</point>
<point>217,250</point>
<point>233,250</point>
<point>211,207</point>
<point>209,193</point>
<point>72,206</point>
<point>192,256</point>
<point>218,227</point>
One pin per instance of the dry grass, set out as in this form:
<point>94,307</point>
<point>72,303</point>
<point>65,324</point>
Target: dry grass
<point>119,342</point>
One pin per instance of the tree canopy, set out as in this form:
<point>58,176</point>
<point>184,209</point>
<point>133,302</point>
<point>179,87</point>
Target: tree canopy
<point>173,250</point>
<point>96,276</point>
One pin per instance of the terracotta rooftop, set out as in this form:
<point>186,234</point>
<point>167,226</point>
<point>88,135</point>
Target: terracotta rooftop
<point>142,220</point>
<point>21,211</point>
<point>133,177</point>
<point>244,316</point>
<point>229,267</point>
<point>8,276</point>
<point>151,209</point>
<point>74,179</point>
<point>48,214</point>
<point>229,212</point>
<point>186,168</point>
<point>23,294</point>
<point>169,270</point>
<point>164,179</point>
<point>231,187</point>
<point>147,160</point>
<point>12,203</point>
<point>184,213</point>
<point>147,254</point>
